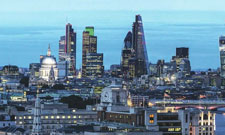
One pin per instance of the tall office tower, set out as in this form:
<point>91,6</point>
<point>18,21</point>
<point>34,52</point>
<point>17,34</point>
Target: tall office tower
<point>67,53</point>
<point>182,52</point>
<point>182,61</point>
<point>222,59</point>
<point>89,46</point>
<point>126,54</point>
<point>132,68</point>
<point>94,65</point>
<point>139,45</point>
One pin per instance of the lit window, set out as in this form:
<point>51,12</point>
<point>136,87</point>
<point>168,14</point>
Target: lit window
<point>79,116</point>
<point>74,116</point>
<point>21,122</point>
<point>57,117</point>
<point>52,117</point>
<point>74,110</point>
<point>69,117</point>
<point>46,117</point>
<point>63,117</point>
<point>15,117</point>
<point>29,117</point>
<point>20,117</point>
<point>75,121</point>
<point>24,117</point>
<point>170,129</point>
<point>151,121</point>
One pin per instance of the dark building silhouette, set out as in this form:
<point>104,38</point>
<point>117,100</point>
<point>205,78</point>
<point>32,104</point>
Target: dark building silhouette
<point>182,52</point>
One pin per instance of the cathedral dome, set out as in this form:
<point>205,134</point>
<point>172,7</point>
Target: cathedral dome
<point>48,61</point>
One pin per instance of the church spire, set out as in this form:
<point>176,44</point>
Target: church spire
<point>37,117</point>
<point>49,50</point>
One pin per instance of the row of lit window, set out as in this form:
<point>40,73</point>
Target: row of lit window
<point>47,117</point>
<point>68,122</point>
<point>121,116</point>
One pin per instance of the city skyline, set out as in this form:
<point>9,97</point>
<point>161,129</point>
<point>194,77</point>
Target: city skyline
<point>112,67</point>
<point>169,25</point>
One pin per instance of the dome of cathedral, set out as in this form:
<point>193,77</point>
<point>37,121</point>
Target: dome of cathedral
<point>48,61</point>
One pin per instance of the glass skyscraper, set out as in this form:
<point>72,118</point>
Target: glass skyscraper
<point>222,59</point>
<point>126,54</point>
<point>89,46</point>
<point>94,65</point>
<point>182,52</point>
<point>134,59</point>
<point>67,52</point>
<point>139,46</point>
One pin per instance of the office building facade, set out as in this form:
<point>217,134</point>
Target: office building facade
<point>222,59</point>
<point>94,65</point>
<point>67,53</point>
<point>139,45</point>
<point>89,48</point>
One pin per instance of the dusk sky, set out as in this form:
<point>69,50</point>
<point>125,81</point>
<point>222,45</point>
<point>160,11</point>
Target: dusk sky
<point>68,5</point>
<point>36,23</point>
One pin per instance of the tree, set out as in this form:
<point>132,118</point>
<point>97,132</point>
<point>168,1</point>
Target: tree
<point>77,102</point>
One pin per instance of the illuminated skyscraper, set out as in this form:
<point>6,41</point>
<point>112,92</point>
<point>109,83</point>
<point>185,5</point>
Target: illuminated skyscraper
<point>89,46</point>
<point>67,53</point>
<point>182,60</point>
<point>126,54</point>
<point>134,60</point>
<point>139,46</point>
<point>222,59</point>
<point>94,65</point>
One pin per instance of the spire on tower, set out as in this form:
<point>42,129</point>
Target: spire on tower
<point>37,117</point>
<point>49,50</point>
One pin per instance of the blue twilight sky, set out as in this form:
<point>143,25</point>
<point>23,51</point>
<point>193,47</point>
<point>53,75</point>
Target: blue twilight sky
<point>68,5</point>
<point>28,26</point>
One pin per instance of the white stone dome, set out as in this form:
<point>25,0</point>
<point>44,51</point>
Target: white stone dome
<point>48,61</point>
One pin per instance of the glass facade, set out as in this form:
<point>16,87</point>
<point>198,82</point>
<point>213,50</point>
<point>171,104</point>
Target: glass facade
<point>222,59</point>
<point>139,45</point>
<point>67,51</point>
<point>182,52</point>
<point>126,54</point>
<point>89,46</point>
<point>94,65</point>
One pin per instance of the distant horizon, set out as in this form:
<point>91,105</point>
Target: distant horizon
<point>197,30</point>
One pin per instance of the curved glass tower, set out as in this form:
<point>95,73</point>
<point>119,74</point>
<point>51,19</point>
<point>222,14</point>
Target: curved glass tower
<point>139,45</point>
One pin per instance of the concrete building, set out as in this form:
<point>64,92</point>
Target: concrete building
<point>55,116</point>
